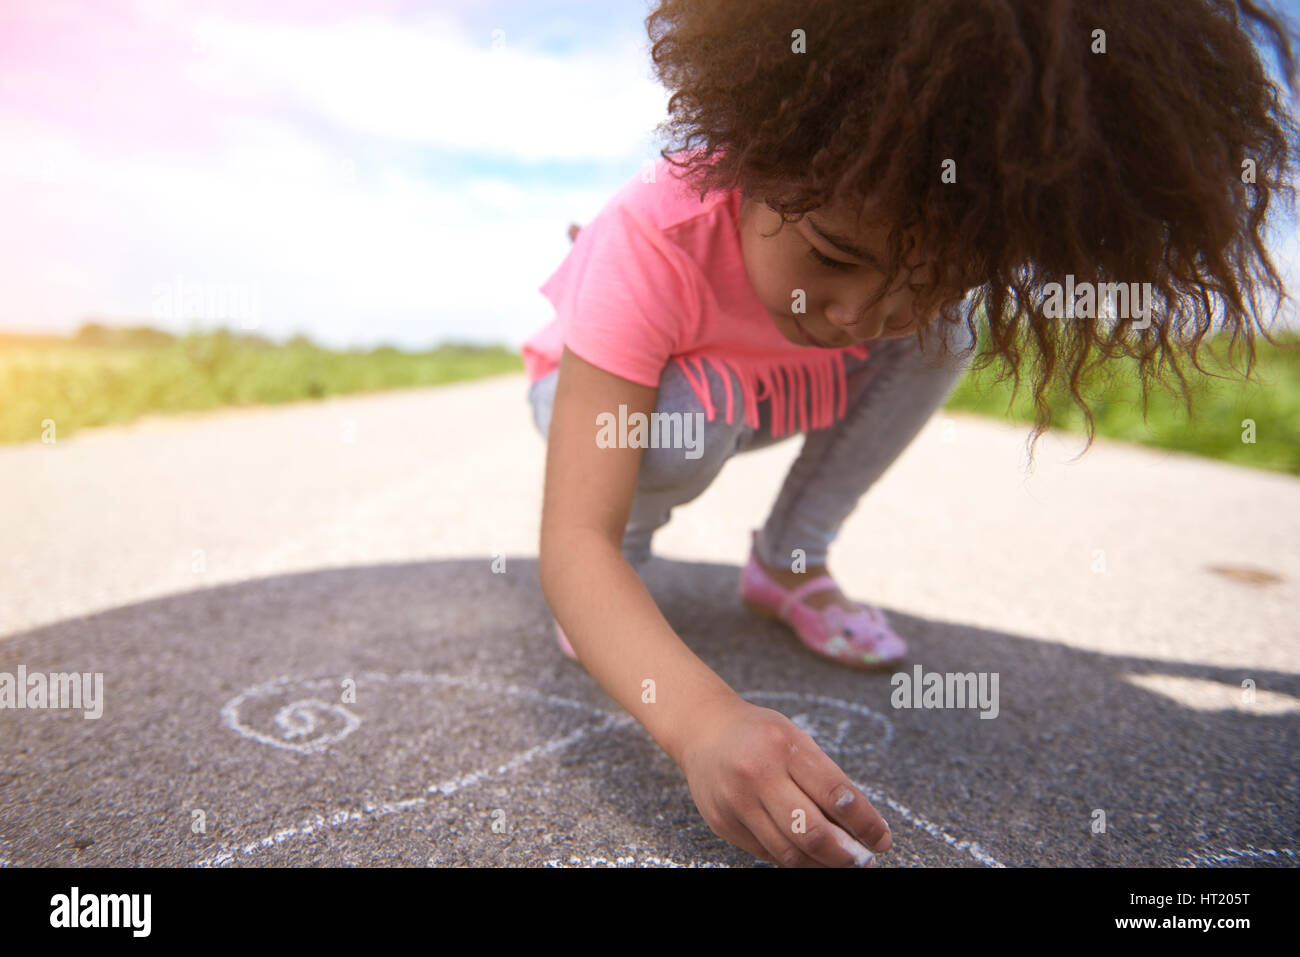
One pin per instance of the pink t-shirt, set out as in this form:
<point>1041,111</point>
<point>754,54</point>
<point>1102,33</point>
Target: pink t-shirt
<point>658,276</point>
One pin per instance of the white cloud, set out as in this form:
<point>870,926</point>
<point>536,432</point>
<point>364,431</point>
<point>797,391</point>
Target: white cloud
<point>340,256</point>
<point>338,230</point>
<point>433,84</point>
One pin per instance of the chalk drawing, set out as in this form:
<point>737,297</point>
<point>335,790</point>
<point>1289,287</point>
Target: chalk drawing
<point>1282,856</point>
<point>631,861</point>
<point>841,728</point>
<point>298,719</point>
<point>845,730</point>
<point>310,725</point>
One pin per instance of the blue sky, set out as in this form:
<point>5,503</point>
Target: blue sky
<point>363,171</point>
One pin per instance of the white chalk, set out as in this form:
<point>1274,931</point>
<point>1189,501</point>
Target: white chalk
<point>861,856</point>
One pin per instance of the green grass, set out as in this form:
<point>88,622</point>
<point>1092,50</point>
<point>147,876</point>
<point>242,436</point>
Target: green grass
<point>102,376</point>
<point>1219,405</point>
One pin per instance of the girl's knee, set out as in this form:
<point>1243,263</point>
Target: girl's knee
<point>960,340</point>
<point>948,349</point>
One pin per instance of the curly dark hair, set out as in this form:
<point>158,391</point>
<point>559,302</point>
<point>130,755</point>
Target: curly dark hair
<point>1118,156</point>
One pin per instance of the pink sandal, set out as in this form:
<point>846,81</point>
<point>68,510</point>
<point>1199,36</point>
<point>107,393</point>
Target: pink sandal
<point>858,639</point>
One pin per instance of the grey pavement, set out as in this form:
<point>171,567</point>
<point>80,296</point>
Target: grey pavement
<point>323,642</point>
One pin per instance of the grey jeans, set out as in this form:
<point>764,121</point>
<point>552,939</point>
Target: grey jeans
<point>890,395</point>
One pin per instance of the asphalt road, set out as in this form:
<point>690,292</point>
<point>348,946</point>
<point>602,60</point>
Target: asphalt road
<point>312,655</point>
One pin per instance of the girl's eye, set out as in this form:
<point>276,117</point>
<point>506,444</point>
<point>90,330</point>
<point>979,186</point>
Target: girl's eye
<point>816,255</point>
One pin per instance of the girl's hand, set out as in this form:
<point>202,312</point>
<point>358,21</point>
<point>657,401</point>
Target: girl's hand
<point>764,785</point>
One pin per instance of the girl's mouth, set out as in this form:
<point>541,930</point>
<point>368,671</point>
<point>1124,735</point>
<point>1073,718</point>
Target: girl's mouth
<point>810,338</point>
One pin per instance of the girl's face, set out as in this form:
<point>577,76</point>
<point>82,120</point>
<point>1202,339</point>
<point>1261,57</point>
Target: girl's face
<point>800,257</point>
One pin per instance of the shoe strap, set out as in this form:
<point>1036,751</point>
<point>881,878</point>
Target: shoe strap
<point>820,583</point>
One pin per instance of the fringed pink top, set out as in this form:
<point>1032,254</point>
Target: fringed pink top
<point>658,276</point>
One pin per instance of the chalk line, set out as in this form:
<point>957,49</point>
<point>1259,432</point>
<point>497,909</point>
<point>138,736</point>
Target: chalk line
<point>1206,859</point>
<point>934,830</point>
<point>300,722</point>
<point>451,786</point>
<point>370,810</point>
<point>648,861</point>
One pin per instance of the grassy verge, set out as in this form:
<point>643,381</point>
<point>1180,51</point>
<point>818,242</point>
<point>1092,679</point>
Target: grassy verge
<point>102,376</point>
<point>1215,429</point>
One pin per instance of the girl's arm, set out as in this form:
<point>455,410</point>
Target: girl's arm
<point>751,771</point>
<point>611,620</point>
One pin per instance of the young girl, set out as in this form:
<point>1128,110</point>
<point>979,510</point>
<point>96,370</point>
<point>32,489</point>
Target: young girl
<point>855,180</point>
